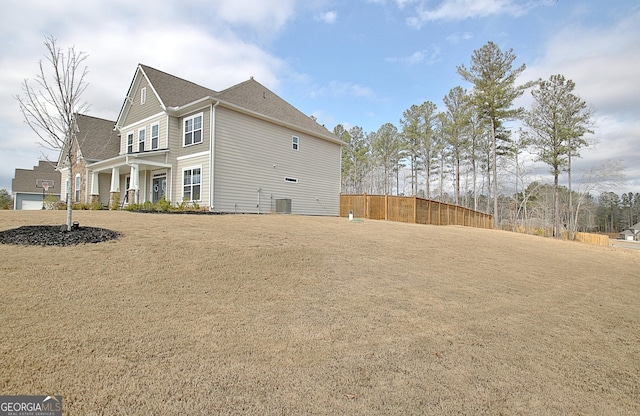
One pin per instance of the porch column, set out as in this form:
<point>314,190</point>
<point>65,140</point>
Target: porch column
<point>95,188</point>
<point>115,180</point>
<point>114,190</point>
<point>134,186</point>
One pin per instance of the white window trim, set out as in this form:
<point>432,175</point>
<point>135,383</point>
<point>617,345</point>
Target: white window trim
<point>130,135</point>
<point>295,143</point>
<point>193,155</point>
<point>191,168</point>
<point>76,183</point>
<point>184,122</point>
<point>143,129</point>
<point>151,137</point>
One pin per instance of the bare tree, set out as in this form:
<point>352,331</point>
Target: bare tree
<point>602,177</point>
<point>557,120</point>
<point>49,104</point>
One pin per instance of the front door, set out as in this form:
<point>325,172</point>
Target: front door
<point>159,188</point>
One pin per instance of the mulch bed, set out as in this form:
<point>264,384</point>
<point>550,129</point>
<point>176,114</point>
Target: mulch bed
<point>56,235</point>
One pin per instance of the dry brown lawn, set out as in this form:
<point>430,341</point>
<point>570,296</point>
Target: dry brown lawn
<point>287,315</point>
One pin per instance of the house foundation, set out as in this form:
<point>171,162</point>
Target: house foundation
<point>114,200</point>
<point>131,196</point>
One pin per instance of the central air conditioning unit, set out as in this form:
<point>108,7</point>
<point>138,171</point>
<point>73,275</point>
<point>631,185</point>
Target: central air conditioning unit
<point>283,206</point>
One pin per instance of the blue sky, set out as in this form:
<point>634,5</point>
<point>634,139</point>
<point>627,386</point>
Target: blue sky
<point>356,62</point>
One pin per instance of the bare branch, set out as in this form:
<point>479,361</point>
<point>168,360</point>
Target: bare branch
<point>51,102</point>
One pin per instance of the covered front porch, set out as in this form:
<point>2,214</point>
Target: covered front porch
<point>130,179</point>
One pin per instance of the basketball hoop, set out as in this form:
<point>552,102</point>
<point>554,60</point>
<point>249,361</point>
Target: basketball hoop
<point>45,184</point>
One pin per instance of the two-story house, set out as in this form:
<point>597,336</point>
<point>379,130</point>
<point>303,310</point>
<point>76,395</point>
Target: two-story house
<point>243,149</point>
<point>96,140</point>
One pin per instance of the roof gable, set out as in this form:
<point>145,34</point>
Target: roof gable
<point>96,138</point>
<point>174,93</point>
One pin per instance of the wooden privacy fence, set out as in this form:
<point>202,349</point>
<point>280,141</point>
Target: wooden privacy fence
<point>411,210</point>
<point>595,239</point>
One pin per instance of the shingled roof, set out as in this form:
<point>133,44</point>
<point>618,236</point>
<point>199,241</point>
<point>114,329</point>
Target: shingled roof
<point>174,91</point>
<point>25,179</point>
<point>97,138</point>
<point>256,97</point>
<point>249,95</point>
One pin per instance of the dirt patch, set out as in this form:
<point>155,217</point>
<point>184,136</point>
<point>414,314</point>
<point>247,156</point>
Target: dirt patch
<point>248,314</point>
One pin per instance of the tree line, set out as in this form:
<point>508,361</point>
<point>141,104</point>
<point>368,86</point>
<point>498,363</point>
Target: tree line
<point>466,154</point>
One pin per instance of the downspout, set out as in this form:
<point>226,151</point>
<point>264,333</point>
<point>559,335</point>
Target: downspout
<point>212,154</point>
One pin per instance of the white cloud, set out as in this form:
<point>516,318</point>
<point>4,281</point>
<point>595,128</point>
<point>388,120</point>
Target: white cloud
<point>193,39</point>
<point>402,3</point>
<point>604,63</point>
<point>341,89</point>
<point>329,17</point>
<point>424,56</point>
<point>272,14</point>
<point>458,37</point>
<point>465,9</point>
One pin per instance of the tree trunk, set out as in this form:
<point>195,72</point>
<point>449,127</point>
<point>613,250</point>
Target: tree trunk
<point>570,200</point>
<point>71,186</point>
<point>457,181</point>
<point>495,174</point>
<point>556,207</point>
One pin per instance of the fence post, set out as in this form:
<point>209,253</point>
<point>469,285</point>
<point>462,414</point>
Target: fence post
<point>386,207</point>
<point>365,213</point>
<point>415,209</point>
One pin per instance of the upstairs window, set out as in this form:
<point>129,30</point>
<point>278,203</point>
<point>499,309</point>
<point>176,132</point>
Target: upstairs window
<point>191,179</point>
<point>193,130</point>
<point>295,142</point>
<point>155,134</point>
<point>130,143</point>
<point>143,95</point>
<point>142,133</point>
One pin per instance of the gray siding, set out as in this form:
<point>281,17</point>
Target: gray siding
<point>251,154</point>
<point>138,111</point>
<point>201,162</point>
<point>184,157</point>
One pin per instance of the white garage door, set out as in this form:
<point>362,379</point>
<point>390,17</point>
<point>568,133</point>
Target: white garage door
<point>31,205</point>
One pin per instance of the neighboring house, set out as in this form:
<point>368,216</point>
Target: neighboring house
<point>96,140</point>
<point>631,234</point>
<point>24,186</point>
<point>243,149</point>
